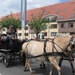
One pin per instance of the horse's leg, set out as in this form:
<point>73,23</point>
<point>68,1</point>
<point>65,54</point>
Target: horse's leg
<point>60,62</point>
<point>52,68</point>
<point>29,66</point>
<point>71,63</point>
<point>42,65</point>
<point>55,64</point>
<point>26,64</point>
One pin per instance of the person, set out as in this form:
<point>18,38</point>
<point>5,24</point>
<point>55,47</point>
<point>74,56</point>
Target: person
<point>11,34</point>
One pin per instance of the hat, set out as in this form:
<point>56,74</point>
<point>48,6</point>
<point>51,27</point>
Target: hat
<point>11,26</point>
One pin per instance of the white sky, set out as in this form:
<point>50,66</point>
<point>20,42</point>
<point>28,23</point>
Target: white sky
<point>14,6</point>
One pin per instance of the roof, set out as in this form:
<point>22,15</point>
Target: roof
<point>65,10</point>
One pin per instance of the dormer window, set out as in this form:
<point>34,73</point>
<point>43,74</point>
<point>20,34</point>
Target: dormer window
<point>58,11</point>
<point>72,16</point>
<point>62,17</point>
<point>47,13</point>
<point>53,19</point>
<point>64,10</point>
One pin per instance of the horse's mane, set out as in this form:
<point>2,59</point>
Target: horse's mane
<point>63,38</point>
<point>58,38</point>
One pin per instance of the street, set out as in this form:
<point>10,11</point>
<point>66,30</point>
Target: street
<point>16,68</point>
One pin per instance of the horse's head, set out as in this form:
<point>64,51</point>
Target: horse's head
<point>70,48</point>
<point>71,45</point>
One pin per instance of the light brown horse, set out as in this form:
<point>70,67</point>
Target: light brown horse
<point>34,48</point>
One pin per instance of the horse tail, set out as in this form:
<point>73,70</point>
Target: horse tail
<point>23,52</point>
<point>23,57</point>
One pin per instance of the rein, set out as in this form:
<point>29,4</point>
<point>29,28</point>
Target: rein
<point>45,54</point>
<point>56,53</point>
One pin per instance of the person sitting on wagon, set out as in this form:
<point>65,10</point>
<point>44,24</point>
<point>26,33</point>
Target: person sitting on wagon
<point>11,34</point>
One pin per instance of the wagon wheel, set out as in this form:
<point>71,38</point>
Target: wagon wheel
<point>6,60</point>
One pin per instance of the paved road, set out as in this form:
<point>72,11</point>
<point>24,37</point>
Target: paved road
<point>16,68</point>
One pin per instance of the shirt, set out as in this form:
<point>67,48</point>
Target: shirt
<point>11,33</point>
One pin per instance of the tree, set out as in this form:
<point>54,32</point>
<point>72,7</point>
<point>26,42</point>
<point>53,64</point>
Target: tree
<point>38,23</point>
<point>9,20</point>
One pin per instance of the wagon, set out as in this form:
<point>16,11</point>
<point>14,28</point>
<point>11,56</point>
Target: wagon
<point>10,52</point>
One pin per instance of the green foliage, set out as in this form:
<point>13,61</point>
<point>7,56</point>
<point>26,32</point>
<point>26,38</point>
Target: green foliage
<point>9,20</point>
<point>38,23</point>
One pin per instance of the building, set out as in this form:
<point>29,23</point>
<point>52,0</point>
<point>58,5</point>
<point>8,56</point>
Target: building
<point>61,16</point>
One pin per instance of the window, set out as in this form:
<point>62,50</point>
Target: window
<point>53,26</point>
<point>72,16</point>
<point>26,34</point>
<point>64,10</point>
<point>45,33</point>
<point>71,33</point>
<point>70,25</point>
<point>53,19</point>
<point>62,25</point>
<point>58,11</point>
<point>47,13</point>
<point>62,17</point>
<point>19,34</point>
<point>26,28</point>
<point>53,33</point>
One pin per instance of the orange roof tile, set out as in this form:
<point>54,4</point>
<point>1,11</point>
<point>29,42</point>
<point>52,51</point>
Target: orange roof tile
<point>65,10</point>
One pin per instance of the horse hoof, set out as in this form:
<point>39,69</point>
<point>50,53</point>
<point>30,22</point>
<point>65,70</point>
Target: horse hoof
<point>50,74</point>
<point>24,70</point>
<point>73,72</point>
<point>32,73</point>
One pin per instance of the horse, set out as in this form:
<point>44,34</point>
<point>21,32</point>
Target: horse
<point>58,45</point>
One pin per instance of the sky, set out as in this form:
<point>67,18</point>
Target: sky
<point>14,6</point>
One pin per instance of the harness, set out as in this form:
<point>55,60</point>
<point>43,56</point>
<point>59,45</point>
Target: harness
<point>51,53</point>
<point>46,54</point>
<point>66,56</point>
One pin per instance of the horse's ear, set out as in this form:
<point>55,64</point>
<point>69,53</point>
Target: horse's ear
<point>73,35</point>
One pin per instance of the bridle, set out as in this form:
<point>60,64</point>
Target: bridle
<point>66,52</point>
